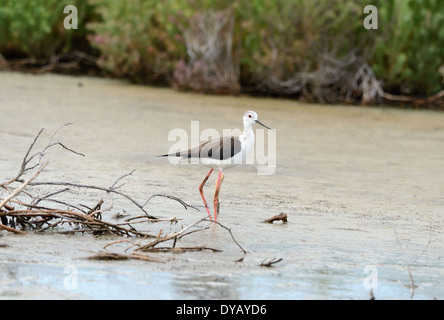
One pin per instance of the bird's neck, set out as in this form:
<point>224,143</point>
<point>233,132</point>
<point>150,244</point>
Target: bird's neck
<point>248,132</point>
<point>248,135</point>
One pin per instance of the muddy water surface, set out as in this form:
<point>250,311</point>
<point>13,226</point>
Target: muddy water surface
<point>362,188</point>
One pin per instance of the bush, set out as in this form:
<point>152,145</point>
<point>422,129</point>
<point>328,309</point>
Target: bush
<point>308,48</point>
<point>213,56</point>
<point>148,41</point>
<point>136,39</point>
<point>35,28</point>
<point>409,52</point>
<point>315,49</point>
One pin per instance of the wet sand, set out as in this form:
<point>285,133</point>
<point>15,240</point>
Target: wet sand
<point>362,188</point>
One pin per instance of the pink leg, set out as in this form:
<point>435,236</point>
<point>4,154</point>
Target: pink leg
<point>201,192</point>
<point>220,178</point>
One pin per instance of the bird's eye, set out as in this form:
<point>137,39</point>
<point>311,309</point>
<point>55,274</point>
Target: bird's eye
<point>249,116</point>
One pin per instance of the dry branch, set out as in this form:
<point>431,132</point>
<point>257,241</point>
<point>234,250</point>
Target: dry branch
<point>176,236</point>
<point>269,263</point>
<point>46,212</point>
<point>407,264</point>
<point>113,191</point>
<point>181,249</point>
<point>231,234</point>
<point>104,255</point>
<point>24,184</point>
<point>280,217</point>
<point>10,229</point>
<point>171,236</point>
<point>22,209</point>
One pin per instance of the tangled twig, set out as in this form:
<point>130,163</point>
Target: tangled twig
<point>47,212</point>
<point>269,263</point>
<point>21,209</point>
<point>279,217</point>
<point>175,236</point>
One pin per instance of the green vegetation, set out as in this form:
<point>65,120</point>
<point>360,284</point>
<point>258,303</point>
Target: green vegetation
<point>317,49</point>
<point>409,51</point>
<point>35,27</point>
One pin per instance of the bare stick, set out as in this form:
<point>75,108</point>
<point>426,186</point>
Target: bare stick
<point>85,186</point>
<point>146,219</point>
<point>186,205</point>
<point>96,208</point>
<point>27,158</point>
<point>229,230</point>
<point>407,265</point>
<point>412,283</point>
<point>50,195</point>
<point>281,216</point>
<point>270,262</point>
<point>36,214</point>
<point>182,249</point>
<point>104,255</point>
<point>24,162</point>
<point>41,154</point>
<point>169,237</point>
<point>10,229</point>
<point>118,179</point>
<point>120,241</point>
<point>109,190</point>
<point>19,189</point>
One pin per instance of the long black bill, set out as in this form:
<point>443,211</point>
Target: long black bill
<point>263,125</point>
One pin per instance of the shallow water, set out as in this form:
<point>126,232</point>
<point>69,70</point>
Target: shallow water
<point>362,188</point>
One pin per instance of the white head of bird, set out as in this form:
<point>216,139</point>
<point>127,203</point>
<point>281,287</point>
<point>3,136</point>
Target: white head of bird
<point>250,118</point>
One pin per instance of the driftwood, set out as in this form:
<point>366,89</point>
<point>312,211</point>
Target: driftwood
<point>270,263</point>
<point>174,237</point>
<point>104,255</point>
<point>280,217</point>
<point>183,249</point>
<point>43,213</point>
